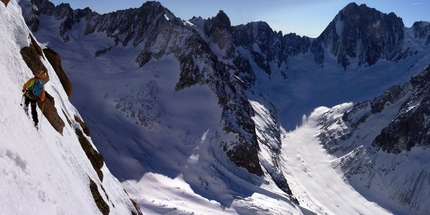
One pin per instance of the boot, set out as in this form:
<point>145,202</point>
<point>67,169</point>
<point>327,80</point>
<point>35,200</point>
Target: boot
<point>26,110</point>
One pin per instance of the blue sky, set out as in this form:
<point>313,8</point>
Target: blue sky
<point>303,17</point>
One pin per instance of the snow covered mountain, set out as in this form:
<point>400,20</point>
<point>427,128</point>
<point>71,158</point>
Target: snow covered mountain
<point>55,169</point>
<point>200,111</point>
<point>383,144</point>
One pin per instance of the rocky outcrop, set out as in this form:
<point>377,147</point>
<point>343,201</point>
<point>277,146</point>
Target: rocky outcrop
<point>55,60</point>
<point>50,112</point>
<point>83,125</point>
<point>273,47</point>
<point>5,2</point>
<point>32,57</point>
<point>422,31</point>
<point>95,158</point>
<point>100,202</point>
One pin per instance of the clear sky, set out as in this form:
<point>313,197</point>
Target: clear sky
<point>303,17</point>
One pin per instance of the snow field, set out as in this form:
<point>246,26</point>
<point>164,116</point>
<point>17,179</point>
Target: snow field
<point>314,181</point>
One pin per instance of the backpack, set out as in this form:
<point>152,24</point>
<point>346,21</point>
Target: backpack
<point>37,87</point>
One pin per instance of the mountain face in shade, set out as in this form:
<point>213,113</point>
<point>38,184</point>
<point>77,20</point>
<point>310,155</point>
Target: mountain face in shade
<point>362,33</point>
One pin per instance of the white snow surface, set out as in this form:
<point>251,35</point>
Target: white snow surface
<point>163,144</point>
<point>311,172</point>
<point>42,171</point>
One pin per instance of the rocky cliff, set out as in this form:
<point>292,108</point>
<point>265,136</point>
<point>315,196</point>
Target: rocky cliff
<point>362,33</point>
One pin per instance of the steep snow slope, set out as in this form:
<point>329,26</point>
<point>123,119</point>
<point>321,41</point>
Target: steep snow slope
<point>42,171</point>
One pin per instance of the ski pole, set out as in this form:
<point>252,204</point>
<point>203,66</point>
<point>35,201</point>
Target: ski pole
<point>22,99</point>
<point>41,117</point>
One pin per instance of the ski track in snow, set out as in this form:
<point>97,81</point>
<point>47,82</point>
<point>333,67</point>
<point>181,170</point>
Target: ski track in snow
<point>312,178</point>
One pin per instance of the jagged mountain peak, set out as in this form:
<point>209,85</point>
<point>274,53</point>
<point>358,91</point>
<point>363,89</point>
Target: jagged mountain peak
<point>130,23</point>
<point>421,31</point>
<point>362,14</point>
<point>154,7</point>
<point>355,8</point>
<point>151,4</point>
<point>221,20</point>
<point>363,33</point>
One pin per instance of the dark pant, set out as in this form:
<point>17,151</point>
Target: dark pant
<point>33,109</point>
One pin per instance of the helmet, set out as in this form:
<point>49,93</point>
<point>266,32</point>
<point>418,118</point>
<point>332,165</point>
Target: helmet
<point>41,75</point>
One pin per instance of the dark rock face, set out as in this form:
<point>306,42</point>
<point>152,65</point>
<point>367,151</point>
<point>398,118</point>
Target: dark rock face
<point>421,29</point>
<point>363,33</point>
<point>100,202</point>
<point>272,47</point>
<point>133,25</point>
<point>5,2</point>
<point>218,29</point>
<point>31,56</point>
<point>51,113</point>
<point>95,158</point>
<point>55,60</point>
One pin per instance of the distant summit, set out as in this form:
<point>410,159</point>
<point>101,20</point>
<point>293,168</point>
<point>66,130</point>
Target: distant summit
<point>362,33</point>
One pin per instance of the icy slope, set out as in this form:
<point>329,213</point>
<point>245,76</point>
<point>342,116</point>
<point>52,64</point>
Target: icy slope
<point>42,171</point>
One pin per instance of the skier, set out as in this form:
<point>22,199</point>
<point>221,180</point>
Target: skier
<point>34,91</point>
